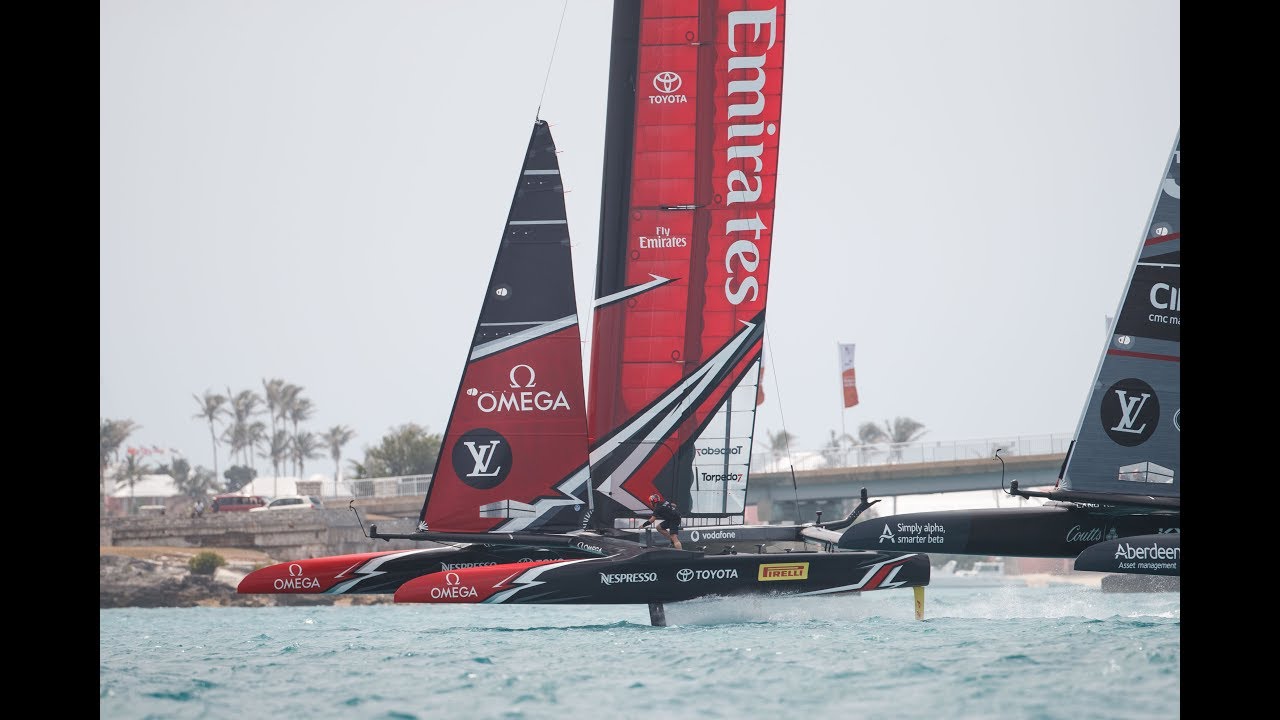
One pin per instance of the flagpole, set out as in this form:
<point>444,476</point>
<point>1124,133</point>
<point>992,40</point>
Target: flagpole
<point>843,433</point>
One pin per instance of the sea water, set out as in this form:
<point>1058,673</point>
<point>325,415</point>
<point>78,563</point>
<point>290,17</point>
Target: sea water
<point>1067,652</point>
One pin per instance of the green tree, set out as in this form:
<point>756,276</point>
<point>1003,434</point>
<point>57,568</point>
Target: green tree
<point>130,473</point>
<point>273,394</point>
<point>201,483</point>
<point>305,446</point>
<point>258,438</point>
<point>238,476</point>
<point>335,438</point>
<point>206,562</point>
<point>407,450</point>
<point>277,450</point>
<point>179,470</point>
<point>212,405</point>
<point>196,483</point>
<point>240,434</point>
<point>112,434</point>
<point>300,409</point>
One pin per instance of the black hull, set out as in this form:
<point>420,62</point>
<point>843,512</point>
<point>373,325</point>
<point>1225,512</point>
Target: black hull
<point>656,575</point>
<point>1141,555</point>
<point>1051,532</point>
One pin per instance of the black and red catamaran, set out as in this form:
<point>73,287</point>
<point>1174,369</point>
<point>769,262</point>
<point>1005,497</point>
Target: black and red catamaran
<point>542,486</point>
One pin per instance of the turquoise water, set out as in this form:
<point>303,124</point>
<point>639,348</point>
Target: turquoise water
<point>1066,652</point>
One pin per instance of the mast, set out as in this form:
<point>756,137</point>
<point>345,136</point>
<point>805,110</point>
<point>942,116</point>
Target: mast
<point>686,233</point>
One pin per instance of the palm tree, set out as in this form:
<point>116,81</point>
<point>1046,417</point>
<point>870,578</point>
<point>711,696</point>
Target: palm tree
<point>305,446</point>
<point>179,470</point>
<point>112,434</point>
<point>294,407</point>
<point>258,437</point>
<point>300,409</point>
<point>211,407</point>
<point>273,393</point>
<point>779,444</point>
<point>335,438</point>
<point>277,451</point>
<point>244,405</point>
<point>236,436</point>
<point>897,433</point>
<point>130,473</point>
<point>194,483</point>
<point>837,448</point>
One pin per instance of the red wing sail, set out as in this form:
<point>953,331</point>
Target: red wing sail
<point>686,232</point>
<point>514,455</point>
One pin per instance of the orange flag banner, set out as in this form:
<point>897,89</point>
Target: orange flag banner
<point>848,380</point>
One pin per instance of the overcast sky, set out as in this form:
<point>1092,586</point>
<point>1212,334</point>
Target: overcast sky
<point>314,190</point>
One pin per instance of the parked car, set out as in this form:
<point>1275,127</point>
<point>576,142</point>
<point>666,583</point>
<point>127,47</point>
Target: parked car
<point>237,503</point>
<point>293,502</point>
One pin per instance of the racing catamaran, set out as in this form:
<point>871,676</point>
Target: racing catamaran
<point>1116,506</point>
<point>545,495</point>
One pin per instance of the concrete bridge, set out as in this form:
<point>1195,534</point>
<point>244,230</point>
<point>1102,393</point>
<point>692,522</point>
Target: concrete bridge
<point>835,490</point>
<point>826,489</point>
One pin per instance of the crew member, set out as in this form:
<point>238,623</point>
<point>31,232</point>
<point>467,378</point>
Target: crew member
<point>670,516</point>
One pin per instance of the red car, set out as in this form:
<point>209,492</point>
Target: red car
<point>237,503</point>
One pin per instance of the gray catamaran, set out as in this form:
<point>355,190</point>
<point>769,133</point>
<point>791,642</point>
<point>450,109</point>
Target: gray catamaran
<point>1116,506</point>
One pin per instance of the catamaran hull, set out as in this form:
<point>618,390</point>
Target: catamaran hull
<point>660,576</point>
<point>1141,555</point>
<point>1054,532</point>
<point>383,572</point>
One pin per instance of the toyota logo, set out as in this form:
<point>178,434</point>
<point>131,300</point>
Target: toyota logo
<point>684,575</point>
<point>666,82</point>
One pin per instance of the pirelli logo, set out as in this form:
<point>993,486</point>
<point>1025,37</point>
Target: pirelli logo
<point>784,571</point>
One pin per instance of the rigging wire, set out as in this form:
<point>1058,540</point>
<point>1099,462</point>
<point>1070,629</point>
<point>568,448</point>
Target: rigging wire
<point>551,61</point>
<point>786,436</point>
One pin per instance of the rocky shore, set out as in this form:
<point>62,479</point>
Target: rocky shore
<point>152,577</point>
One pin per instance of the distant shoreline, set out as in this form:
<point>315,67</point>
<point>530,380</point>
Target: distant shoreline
<point>158,576</point>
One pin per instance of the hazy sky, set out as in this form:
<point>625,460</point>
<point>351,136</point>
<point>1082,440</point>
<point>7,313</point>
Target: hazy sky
<point>315,190</point>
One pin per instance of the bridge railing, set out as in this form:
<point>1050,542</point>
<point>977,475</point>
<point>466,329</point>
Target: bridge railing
<point>921,451</point>
<point>415,485</point>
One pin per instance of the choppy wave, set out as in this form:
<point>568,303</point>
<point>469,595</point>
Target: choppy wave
<point>1058,652</point>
